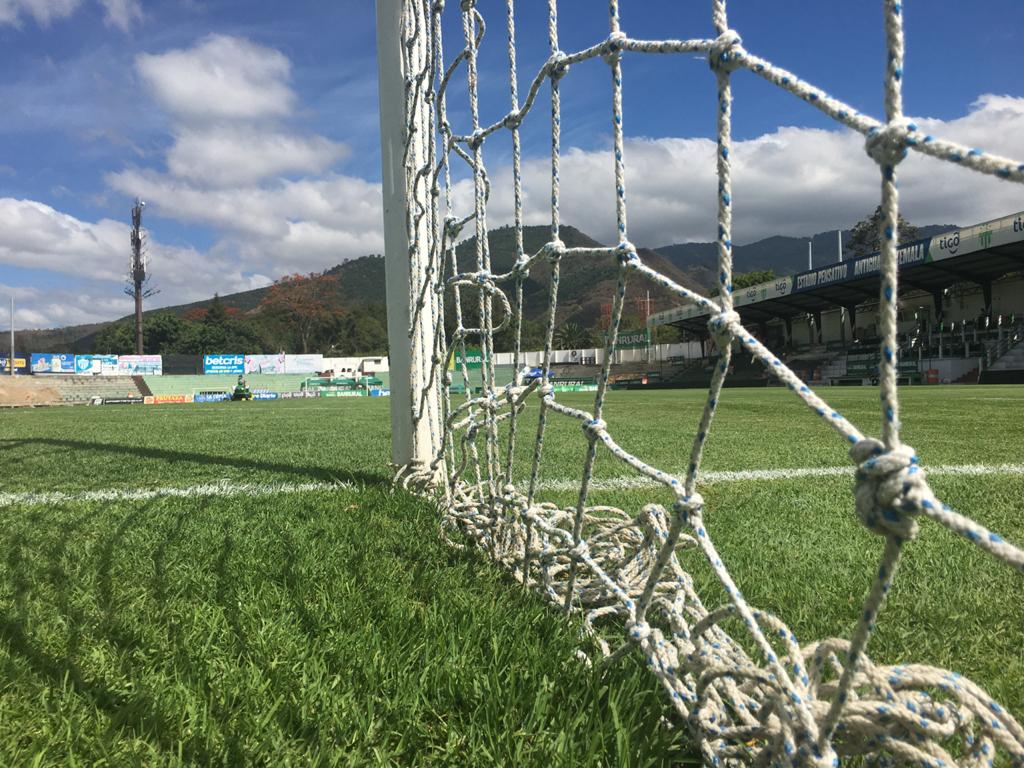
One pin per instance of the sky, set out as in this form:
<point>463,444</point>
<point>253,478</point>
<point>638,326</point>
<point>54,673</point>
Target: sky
<point>251,130</point>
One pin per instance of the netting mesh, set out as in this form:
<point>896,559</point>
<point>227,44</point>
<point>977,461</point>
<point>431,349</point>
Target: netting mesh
<point>770,699</point>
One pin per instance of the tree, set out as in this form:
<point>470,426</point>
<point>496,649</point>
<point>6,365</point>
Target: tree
<point>864,239</point>
<point>304,304</point>
<point>747,279</point>
<point>571,335</point>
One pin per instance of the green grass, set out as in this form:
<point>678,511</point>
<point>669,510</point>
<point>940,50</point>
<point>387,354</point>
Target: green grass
<point>333,627</point>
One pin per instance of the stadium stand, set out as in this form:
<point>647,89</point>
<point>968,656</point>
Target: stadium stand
<point>82,389</point>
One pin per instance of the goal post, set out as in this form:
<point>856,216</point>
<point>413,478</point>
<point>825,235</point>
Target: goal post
<point>405,124</point>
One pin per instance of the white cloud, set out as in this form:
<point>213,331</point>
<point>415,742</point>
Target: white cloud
<point>220,78</point>
<point>35,235</point>
<point>122,13</point>
<point>226,156</point>
<point>43,11</point>
<point>793,181</point>
<point>118,13</point>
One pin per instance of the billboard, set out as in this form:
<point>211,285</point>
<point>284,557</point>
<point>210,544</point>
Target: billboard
<point>20,365</point>
<point>163,399</point>
<point>474,359</point>
<point>303,363</point>
<point>210,397</point>
<point>53,363</point>
<point>234,364</point>
<point>96,365</point>
<point>634,339</point>
<point>264,363</point>
<point>262,394</point>
<point>140,365</point>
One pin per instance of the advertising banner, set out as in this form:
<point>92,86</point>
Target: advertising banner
<point>210,397</point>
<point>164,399</point>
<point>124,400</point>
<point>474,359</point>
<point>140,365</point>
<point>303,363</point>
<point>264,363</point>
<point>380,393</point>
<point>264,395</point>
<point>233,364</point>
<point>20,365</point>
<point>341,393</point>
<point>53,363</point>
<point>574,385</point>
<point>634,339</point>
<point>96,365</point>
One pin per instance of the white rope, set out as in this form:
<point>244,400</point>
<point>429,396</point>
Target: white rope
<point>772,700</point>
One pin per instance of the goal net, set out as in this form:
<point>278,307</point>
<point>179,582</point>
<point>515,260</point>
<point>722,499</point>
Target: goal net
<point>765,697</point>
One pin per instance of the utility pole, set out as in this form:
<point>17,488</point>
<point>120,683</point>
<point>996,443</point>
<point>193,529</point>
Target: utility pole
<point>10,360</point>
<point>842,310</point>
<point>810,261</point>
<point>138,272</point>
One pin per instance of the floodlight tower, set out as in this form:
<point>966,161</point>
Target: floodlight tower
<point>138,271</point>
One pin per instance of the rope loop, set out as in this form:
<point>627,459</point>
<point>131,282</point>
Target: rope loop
<point>613,47</point>
<point>557,66</point>
<point>890,488</point>
<point>723,325</point>
<point>593,428</point>
<point>726,52</point>
<point>887,145</point>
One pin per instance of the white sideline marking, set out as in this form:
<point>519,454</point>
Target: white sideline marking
<point>223,488</point>
<point>227,488</point>
<point>729,476</point>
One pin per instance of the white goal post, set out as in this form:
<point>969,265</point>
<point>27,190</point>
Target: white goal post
<point>771,698</point>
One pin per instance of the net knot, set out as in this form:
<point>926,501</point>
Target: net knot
<point>546,390</point>
<point>887,145</point>
<point>554,250</point>
<point>613,47</point>
<point>438,6</point>
<point>452,227</point>
<point>593,428</point>
<point>890,488</point>
<point>476,139</point>
<point>726,51</point>
<point>580,551</point>
<point>627,252</point>
<point>639,631</point>
<point>522,266</point>
<point>513,120</point>
<point>557,66</point>
<point>724,324</point>
<point>467,5</point>
<point>689,507</point>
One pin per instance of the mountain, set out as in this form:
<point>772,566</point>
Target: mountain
<point>784,255</point>
<point>587,284</point>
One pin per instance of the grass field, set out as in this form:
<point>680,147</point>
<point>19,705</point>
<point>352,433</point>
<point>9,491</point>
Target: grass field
<point>228,607</point>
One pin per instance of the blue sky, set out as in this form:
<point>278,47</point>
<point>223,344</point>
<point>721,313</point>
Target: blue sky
<point>251,130</point>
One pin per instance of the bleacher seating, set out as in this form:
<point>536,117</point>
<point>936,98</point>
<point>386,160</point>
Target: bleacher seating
<point>82,389</point>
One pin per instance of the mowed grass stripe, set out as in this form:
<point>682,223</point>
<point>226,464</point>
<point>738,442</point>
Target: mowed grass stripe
<point>306,629</point>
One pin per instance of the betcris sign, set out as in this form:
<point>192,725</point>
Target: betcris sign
<point>52,363</point>
<point>224,364</point>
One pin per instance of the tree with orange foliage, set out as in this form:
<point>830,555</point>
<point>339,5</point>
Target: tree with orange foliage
<point>305,304</point>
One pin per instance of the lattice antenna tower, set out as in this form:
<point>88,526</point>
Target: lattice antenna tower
<point>769,699</point>
<point>137,285</point>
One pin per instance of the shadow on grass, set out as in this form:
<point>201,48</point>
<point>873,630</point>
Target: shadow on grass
<point>321,474</point>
